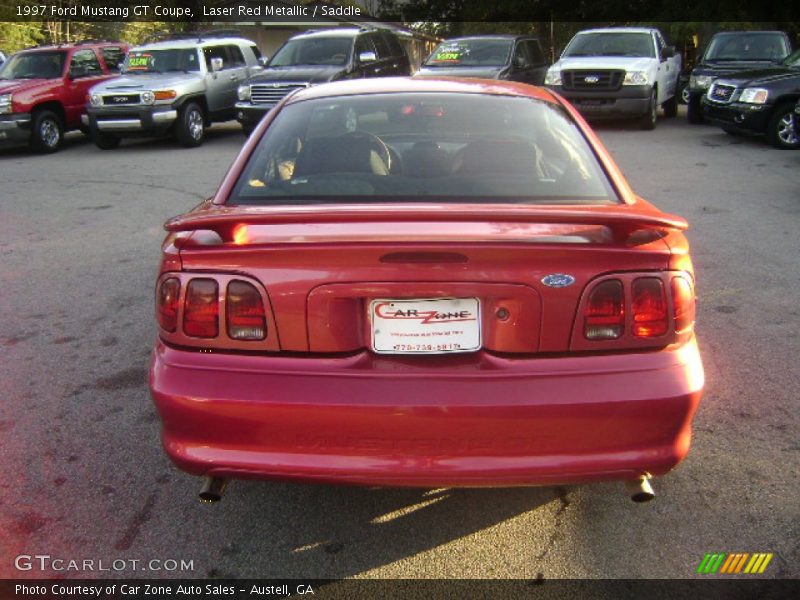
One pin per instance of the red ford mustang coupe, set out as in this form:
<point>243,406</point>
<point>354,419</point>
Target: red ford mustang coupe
<point>432,283</point>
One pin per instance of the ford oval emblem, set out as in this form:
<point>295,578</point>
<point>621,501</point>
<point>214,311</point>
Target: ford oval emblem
<point>591,79</point>
<point>558,280</point>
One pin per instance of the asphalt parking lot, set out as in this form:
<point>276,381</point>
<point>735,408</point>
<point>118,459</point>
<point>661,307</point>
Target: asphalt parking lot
<point>83,475</point>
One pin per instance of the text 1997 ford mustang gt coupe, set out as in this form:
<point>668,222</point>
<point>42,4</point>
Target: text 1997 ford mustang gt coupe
<point>420,282</point>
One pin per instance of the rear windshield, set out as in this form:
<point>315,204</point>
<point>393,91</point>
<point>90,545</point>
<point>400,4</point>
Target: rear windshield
<point>611,44</point>
<point>747,46</point>
<point>470,53</point>
<point>423,147</point>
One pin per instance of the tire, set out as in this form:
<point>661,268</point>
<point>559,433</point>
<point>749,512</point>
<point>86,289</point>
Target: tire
<point>47,132</point>
<point>671,107</point>
<point>694,112</point>
<point>648,121</point>
<point>190,129</point>
<point>105,141</point>
<point>684,95</point>
<point>781,132</point>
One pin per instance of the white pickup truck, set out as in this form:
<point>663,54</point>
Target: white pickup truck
<point>618,72</point>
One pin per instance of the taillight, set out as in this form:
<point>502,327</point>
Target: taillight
<point>683,304</point>
<point>244,312</point>
<point>604,316</point>
<point>167,304</point>
<point>201,309</point>
<point>649,308</point>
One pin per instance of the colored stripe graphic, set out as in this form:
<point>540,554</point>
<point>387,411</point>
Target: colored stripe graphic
<point>734,563</point>
<point>703,563</point>
<point>740,564</point>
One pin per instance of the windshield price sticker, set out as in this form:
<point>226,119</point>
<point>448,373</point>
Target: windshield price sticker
<point>431,326</point>
<point>452,53</point>
<point>140,61</point>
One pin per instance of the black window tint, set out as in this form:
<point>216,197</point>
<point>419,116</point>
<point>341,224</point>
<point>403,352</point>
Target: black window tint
<point>364,44</point>
<point>535,52</point>
<point>215,52</point>
<point>381,46</point>
<point>113,56</point>
<point>521,57</point>
<point>395,46</point>
<point>256,51</point>
<point>235,56</point>
<point>85,61</point>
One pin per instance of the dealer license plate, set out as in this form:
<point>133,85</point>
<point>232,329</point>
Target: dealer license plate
<point>430,326</point>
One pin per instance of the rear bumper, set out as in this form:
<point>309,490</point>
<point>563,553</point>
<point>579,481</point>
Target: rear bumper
<point>472,420</point>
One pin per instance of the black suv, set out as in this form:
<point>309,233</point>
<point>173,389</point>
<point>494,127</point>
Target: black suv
<point>317,57</point>
<point>517,58</point>
<point>759,102</point>
<point>732,51</point>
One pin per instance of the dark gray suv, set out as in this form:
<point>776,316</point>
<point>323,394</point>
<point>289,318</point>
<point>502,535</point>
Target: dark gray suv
<point>318,57</point>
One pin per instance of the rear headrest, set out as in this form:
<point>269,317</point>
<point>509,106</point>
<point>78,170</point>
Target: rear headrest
<point>339,154</point>
<point>497,156</point>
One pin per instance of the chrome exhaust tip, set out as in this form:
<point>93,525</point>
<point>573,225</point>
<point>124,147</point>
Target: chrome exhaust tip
<point>640,490</point>
<point>213,488</point>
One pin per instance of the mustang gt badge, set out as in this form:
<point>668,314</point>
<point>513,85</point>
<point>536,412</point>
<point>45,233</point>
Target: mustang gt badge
<point>558,280</point>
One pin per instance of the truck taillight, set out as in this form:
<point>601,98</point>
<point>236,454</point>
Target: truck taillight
<point>201,309</point>
<point>683,304</point>
<point>244,312</point>
<point>604,316</point>
<point>649,308</point>
<point>167,304</point>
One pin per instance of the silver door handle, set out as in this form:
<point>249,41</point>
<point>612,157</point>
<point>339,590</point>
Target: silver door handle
<point>234,78</point>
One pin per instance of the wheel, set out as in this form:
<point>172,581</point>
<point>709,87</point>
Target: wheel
<point>190,128</point>
<point>671,107</point>
<point>781,132</point>
<point>105,141</point>
<point>684,95</point>
<point>648,121</point>
<point>694,111</point>
<point>47,132</point>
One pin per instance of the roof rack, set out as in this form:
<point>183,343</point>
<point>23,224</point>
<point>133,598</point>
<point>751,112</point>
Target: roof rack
<point>198,35</point>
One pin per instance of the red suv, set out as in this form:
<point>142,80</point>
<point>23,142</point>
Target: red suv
<point>43,90</point>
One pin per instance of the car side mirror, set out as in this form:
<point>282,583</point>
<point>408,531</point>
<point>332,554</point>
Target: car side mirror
<point>263,61</point>
<point>367,57</point>
<point>667,52</point>
<point>216,64</point>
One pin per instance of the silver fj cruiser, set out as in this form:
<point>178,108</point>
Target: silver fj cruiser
<point>179,85</point>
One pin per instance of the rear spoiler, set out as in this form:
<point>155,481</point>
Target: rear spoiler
<point>623,220</point>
